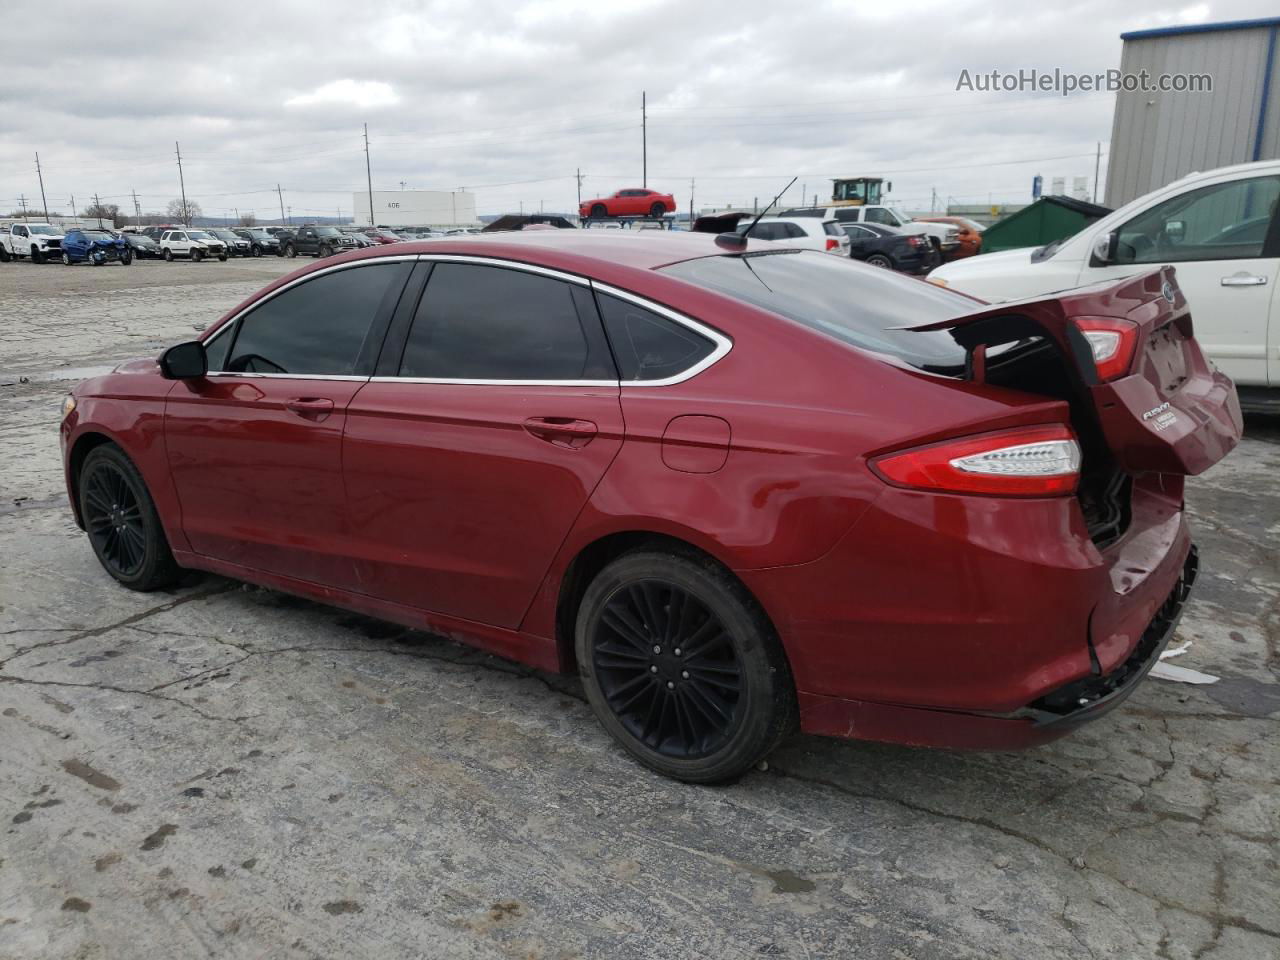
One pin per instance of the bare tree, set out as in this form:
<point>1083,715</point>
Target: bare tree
<point>248,220</point>
<point>107,212</point>
<point>176,211</point>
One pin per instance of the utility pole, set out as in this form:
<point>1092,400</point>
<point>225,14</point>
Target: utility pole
<point>644,141</point>
<point>522,208</point>
<point>73,205</point>
<point>41,176</point>
<point>933,201</point>
<point>97,208</point>
<point>182,184</point>
<point>1097,162</point>
<point>137,208</point>
<point>368,172</point>
<point>291,216</point>
<point>691,184</point>
<point>23,200</point>
<point>804,191</point>
<point>280,194</point>
<point>237,210</point>
<point>578,177</point>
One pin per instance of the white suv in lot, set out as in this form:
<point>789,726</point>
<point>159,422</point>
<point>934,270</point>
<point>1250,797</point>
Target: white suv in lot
<point>195,244</point>
<point>1221,232</point>
<point>946,236</point>
<point>812,233</point>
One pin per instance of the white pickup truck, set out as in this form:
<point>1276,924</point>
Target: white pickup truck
<point>1220,229</point>
<point>945,235</point>
<point>39,241</point>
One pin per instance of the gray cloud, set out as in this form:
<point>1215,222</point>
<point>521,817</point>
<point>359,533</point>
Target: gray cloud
<point>494,95</point>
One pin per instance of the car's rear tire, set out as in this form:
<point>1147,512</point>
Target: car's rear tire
<point>599,210</point>
<point>4,254</point>
<point>879,260</point>
<point>657,211</point>
<point>682,667</point>
<point>121,520</point>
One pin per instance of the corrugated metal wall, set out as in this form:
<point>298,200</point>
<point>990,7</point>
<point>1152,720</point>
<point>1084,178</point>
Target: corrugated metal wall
<point>1158,137</point>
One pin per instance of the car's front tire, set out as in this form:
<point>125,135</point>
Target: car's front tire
<point>289,251</point>
<point>255,250</point>
<point>222,257</point>
<point>36,255</point>
<point>196,256</point>
<point>126,258</point>
<point>66,258</point>
<point>657,211</point>
<point>682,667</point>
<point>121,520</point>
<point>168,254</point>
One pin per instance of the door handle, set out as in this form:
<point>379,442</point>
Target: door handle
<point>562,431</point>
<point>312,408</point>
<point>1243,280</point>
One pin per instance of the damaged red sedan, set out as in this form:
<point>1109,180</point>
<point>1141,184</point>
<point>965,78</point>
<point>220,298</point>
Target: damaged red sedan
<point>740,489</point>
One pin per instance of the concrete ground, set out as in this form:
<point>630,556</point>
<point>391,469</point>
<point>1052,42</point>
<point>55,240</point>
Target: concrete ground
<point>226,771</point>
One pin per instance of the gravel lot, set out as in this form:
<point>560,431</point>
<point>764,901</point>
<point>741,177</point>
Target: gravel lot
<point>227,771</point>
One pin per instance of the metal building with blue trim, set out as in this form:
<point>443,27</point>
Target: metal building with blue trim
<point>1159,136</point>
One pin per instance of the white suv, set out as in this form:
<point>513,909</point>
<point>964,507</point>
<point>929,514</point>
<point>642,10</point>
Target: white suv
<point>946,236</point>
<point>1220,230</point>
<point>195,244</point>
<point>811,233</point>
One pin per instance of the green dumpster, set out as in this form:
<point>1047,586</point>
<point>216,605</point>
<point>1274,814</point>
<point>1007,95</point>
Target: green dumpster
<point>1046,220</point>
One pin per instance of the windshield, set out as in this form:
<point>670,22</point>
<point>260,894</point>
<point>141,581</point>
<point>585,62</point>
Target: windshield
<point>98,235</point>
<point>198,235</point>
<point>842,300</point>
<point>44,230</point>
<point>390,235</point>
<point>327,231</point>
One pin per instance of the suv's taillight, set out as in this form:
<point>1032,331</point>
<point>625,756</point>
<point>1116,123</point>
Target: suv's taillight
<point>1036,461</point>
<point>1113,342</point>
<point>832,243</point>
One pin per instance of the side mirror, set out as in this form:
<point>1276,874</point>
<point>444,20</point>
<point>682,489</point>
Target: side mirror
<point>186,361</point>
<point>1104,247</point>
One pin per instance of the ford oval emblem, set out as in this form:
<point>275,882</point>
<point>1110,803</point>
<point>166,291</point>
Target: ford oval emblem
<point>1167,291</point>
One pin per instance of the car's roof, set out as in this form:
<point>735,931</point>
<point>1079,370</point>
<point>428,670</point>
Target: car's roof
<point>641,249</point>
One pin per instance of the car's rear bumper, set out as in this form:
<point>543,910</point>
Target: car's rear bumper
<point>933,608</point>
<point>1052,716</point>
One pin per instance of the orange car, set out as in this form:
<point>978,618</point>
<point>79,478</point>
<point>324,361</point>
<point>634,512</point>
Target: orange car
<point>970,236</point>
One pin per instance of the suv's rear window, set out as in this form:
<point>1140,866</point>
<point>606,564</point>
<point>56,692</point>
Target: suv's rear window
<point>858,305</point>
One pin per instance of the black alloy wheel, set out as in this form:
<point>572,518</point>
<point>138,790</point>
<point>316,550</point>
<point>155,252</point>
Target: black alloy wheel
<point>657,211</point>
<point>682,667</point>
<point>196,254</point>
<point>121,520</point>
<point>880,260</point>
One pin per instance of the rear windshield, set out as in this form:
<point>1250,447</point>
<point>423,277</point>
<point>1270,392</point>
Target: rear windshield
<point>858,305</point>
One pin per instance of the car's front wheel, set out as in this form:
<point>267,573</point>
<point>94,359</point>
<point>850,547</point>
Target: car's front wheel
<point>222,257</point>
<point>66,258</point>
<point>36,255</point>
<point>657,211</point>
<point>196,256</point>
<point>121,520</point>
<point>255,250</point>
<point>682,667</point>
<point>126,258</point>
<point>290,250</point>
<point>168,254</point>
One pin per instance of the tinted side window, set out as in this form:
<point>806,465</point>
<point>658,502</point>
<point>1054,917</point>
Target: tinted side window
<point>478,322</point>
<point>877,215</point>
<point>647,345</point>
<point>317,327</point>
<point>831,229</point>
<point>1225,221</point>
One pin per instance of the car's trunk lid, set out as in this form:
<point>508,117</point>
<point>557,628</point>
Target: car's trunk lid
<point>1168,411</point>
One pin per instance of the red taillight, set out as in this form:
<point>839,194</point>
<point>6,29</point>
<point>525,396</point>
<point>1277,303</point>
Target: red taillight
<point>917,241</point>
<point>1113,342</point>
<point>1040,461</point>
<point>832,243</point>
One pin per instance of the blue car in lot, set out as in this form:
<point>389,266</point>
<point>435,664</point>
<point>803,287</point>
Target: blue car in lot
<point>96,247</point>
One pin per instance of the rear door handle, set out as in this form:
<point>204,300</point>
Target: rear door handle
<point>1243,280</point>
<point>562,431</point>
<point>311,408</point>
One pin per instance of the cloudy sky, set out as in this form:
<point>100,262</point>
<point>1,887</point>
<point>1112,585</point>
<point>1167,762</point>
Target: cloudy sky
<point>510,98</point>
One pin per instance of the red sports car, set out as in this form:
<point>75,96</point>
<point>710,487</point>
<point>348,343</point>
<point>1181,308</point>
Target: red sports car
<point>740,488</point>
<point>632,202</point>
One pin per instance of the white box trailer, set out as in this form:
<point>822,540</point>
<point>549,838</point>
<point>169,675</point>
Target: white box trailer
<point>415,208</point>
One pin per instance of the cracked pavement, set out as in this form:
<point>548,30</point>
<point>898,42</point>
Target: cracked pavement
<point>226,771</point>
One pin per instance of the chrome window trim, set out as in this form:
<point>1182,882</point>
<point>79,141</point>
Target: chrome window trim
<point>722,343</point>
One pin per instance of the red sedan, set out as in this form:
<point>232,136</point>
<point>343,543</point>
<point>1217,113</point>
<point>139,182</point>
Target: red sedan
<point>632,202</point>
<point>378,235</point>
<point>740,489</point>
